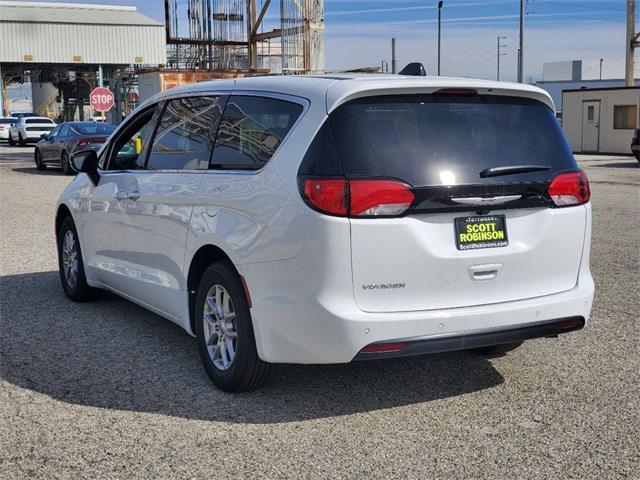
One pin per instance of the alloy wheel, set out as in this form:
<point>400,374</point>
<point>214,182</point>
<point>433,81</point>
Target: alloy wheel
<point>220,328</point>
<point>70,258</point>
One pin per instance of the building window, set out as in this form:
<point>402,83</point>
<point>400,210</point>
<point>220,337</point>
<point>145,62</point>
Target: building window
<point>624,116</point>
<point>590,110</point>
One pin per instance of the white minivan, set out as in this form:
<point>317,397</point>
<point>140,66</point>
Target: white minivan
<point>333,219</point>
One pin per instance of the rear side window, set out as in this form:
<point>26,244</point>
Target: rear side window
<point>431,139</point>
<point>251,131</point>
<point>95,128</point>
<point>186,134</point>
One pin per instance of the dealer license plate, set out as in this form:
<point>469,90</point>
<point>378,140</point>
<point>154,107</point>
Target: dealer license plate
<point>489,231</point>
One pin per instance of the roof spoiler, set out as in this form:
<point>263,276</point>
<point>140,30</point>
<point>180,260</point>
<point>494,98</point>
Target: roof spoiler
<point>415,69</point>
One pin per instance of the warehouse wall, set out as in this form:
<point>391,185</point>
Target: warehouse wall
<point>82,43</point>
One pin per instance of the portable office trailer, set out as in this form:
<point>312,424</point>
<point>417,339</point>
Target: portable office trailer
<point>600,120</point>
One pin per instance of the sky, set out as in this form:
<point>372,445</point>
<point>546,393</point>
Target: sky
<point>358,32</point>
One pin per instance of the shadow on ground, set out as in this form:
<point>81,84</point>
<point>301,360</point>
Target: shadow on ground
<point>34,171</point>
<point>633,163</point>
<point>113,354</point>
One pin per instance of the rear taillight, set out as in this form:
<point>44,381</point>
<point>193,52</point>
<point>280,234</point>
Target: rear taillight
<point>358,198</point>
<point>570,189</point>
<point>82,143</point>
<point>379,197</point>
<point>328,195</point>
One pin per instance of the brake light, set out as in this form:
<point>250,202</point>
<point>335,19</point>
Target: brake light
<point>358,198</point>
<point>456,91</point>
<point>570,189</point>
<point>379,197</point>
<point>384,347</point>
<point>329,195</point>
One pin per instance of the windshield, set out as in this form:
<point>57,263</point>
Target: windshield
<point>94,128</point>
<point>431,139</point>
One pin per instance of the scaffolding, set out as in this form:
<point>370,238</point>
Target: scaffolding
<point>242,35</point>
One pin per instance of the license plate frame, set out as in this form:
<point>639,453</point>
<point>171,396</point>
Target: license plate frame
<point>491,232</point>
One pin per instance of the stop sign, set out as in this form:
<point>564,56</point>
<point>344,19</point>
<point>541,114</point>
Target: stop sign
<point>101,99</point>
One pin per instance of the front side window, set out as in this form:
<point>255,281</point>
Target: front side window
<point>251,131</point>
<point>186,134</point>
<point>624,117</point>
<point>130,147</point>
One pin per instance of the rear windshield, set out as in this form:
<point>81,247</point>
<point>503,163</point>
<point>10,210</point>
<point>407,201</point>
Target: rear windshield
<point>8,120</point>
<point>431,139</point>
<point>94,128</point>
<point>38,120</point>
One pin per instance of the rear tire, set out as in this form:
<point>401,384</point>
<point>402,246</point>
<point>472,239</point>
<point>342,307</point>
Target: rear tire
<point>70,265</point>
<point>497,350</point>
<point>66,166</point>
<point>223,327</point>
<point>637,155</point>
<point>40,165</point>
<point>11,141</point>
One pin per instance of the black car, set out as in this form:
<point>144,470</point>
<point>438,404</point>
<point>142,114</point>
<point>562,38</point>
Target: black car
<point>57,147</point>
<point>635,144</point>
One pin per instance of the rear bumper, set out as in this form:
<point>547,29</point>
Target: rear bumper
<point>481,339</point>
<point>328,327</point>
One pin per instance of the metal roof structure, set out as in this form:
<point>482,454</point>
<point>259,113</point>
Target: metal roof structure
<point>67,33</point>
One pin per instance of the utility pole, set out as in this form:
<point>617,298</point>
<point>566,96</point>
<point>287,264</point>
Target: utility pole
<point>632,43</point>
<point>439,31</point>
<point>521,46</point>
<point>394,63</point>
<point>601,60</point>
<point>499,55</point>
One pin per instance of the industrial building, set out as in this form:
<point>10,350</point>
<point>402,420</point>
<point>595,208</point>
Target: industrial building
<point>66,50</point>
<point>600,120</point>
<point>582,74</point>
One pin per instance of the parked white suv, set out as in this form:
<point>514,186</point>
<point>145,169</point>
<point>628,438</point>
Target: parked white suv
<point>332,219</point>
<point>30,129</point>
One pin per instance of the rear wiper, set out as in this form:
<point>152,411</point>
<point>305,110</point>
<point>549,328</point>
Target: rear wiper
<point>512,170</point>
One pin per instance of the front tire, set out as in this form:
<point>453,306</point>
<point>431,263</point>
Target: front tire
<point>11,141</point>
<point>226,341</point>
<point>66,166</point>
<point>21,141</point>
<point>70,265</point>
<point>40,165</point>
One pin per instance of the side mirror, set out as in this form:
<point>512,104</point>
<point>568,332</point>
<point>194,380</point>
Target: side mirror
<point>86,161</point>
<point>44,136</point>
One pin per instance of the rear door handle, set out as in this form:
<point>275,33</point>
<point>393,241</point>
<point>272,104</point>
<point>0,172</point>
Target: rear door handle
<point>485,272</point>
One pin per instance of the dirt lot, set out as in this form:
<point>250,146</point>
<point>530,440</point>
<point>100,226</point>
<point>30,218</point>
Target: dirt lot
<point>109,390</point>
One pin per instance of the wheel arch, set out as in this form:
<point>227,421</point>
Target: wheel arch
<point>204,257</point>
<point>62,213</point>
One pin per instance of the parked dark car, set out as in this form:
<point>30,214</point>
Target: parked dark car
<point>635,144</point>
<point>57,147</point>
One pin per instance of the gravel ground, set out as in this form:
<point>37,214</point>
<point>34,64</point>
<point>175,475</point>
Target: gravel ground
<point>109,390</point>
